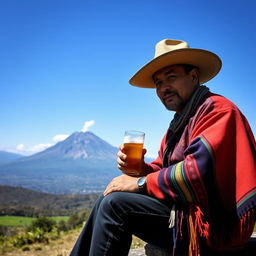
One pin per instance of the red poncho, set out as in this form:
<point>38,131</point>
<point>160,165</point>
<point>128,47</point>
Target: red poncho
<point>212,176</point>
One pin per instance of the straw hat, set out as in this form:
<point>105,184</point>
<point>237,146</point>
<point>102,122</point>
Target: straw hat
<point>170,52</point>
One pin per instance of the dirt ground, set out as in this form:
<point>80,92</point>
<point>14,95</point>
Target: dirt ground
<point>63,246</point>
<point>60,247</point>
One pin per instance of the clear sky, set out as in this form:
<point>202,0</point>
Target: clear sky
<point>64,63</point>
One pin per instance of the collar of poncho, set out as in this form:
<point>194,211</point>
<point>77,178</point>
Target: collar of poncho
<point>179,122</point>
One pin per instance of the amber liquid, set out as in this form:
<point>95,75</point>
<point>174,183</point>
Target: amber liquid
<point>134,155</point>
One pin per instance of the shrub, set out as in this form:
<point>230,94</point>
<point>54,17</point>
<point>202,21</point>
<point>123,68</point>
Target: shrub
<point>62,226</point>
<point>6,231</point>
<point>25,248</point>
<point>37,236</point>
<point>43,223</point>
<point>76,219</point>
<point>73,221</point>
<point>3,230</point>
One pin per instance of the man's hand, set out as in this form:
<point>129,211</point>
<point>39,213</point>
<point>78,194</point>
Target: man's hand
<point>122,183</point>
<point>122,164</point>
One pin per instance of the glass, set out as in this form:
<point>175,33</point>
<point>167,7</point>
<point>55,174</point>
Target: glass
<point>133,148</point>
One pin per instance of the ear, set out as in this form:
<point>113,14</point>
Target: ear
<point>195,75</point>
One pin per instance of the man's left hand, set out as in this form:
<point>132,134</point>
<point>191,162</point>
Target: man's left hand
<point>122,183</point>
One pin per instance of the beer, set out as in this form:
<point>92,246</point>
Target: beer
<point>133,148</point>
<point>134,155</point>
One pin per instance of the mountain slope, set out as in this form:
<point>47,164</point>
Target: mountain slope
<point>79,145</point>
<point>81,163</point>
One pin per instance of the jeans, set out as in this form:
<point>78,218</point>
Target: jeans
<point>116,217</point>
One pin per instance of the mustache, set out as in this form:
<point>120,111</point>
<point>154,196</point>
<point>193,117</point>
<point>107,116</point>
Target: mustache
<point>169,92</point>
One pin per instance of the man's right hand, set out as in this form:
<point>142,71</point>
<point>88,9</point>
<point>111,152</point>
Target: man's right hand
<point>122,164</point>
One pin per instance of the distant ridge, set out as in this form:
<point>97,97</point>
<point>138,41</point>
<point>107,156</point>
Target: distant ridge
<point>6,157</point>
<point>19,201</point>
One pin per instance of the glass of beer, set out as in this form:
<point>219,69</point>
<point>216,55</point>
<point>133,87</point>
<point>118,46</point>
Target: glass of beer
<point>133,146</point>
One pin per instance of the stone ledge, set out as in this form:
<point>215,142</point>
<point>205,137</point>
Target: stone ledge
<point>137,252</point>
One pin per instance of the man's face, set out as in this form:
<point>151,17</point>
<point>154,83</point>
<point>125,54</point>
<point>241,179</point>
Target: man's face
<point>174,87</point>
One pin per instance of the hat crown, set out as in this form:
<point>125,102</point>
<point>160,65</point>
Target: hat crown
<point>168,45</point>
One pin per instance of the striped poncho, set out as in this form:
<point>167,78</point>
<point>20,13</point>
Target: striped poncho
<point>211,178</point>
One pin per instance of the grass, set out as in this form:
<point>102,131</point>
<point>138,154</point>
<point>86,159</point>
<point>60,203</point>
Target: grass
<point>59,218</point>
<point>17,221</point>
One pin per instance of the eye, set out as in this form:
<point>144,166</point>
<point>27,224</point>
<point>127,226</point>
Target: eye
<point>170,77</point>
<point>157,83</point>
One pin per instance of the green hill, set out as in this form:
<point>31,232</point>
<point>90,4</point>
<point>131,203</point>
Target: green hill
<point>18,201</point>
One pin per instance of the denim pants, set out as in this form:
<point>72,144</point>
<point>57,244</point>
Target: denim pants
<point>116,217</point>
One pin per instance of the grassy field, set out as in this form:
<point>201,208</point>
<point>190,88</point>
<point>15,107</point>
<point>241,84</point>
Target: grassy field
<point>16,221</point>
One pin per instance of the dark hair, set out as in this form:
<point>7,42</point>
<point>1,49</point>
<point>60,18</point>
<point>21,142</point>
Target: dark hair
<point>187,67</point>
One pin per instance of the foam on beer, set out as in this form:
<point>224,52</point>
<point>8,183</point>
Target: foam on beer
<point>130,139</point>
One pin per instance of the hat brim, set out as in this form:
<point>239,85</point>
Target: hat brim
<point>208,63</point>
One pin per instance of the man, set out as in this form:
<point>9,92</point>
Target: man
<point>201,190</point>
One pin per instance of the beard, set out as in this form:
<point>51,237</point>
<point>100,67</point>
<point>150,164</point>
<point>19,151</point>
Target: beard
<point>174,102</point>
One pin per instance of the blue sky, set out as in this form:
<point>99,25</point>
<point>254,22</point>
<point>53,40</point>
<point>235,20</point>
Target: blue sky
<point>64,63</point>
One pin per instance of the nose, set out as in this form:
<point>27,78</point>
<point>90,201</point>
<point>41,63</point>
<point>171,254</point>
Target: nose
<point>165,86</point>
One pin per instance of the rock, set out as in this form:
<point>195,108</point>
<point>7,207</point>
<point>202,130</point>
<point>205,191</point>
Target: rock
<point>137,252</point>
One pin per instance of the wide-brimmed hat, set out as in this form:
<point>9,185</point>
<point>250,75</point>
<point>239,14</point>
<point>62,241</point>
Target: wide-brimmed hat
<point>172,52</point>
